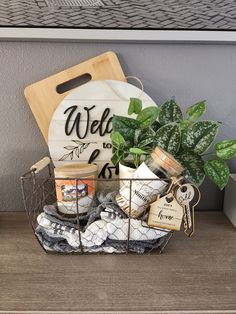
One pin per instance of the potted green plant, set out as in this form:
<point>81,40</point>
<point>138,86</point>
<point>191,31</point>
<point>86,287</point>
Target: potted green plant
<point>185,137</point>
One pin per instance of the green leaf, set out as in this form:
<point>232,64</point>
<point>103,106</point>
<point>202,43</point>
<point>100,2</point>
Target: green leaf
<point>135,106</point>
<point>147,144</point>
<point>199,136</point>
<point>155,126</point>
<point>137,134</point>
<point>148,116</point>
<point>184,124</point>
<point>197,110</point>
<point>145,137</point>
<point>193,167</point>
<point>218,171</point>
<point>170,112</point>
<point>137,151</point>
<point>115,159</point>
<point>226,149</point>
<point>125,126</point>
<point>119,154</point>
<point>168,137</point>
<point>117,138</point>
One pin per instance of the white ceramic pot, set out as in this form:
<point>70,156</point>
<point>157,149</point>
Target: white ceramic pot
<point>230,199</point>
<point>140,193</point>
<point>125,173</point>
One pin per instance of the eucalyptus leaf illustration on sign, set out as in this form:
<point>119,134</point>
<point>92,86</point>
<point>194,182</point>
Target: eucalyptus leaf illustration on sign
<point>75,151</point>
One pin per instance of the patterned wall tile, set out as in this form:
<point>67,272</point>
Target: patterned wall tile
<point>124,14</point>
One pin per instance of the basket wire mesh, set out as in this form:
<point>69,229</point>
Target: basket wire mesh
<point>102,228</point>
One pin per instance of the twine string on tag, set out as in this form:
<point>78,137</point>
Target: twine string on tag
<point>174,182</point>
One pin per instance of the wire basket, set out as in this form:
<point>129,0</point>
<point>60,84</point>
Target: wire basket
<point>98,225</point>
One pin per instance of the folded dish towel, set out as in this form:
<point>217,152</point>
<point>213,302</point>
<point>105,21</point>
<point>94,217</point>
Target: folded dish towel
<point>105,228</point>
<point>59,244</point>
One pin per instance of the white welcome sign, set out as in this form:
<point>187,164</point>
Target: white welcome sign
<point>81,125</point>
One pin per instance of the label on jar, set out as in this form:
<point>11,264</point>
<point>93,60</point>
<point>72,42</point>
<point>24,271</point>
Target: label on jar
<point>68,193</point>
<point>136,195</point>
<point>166,213</point>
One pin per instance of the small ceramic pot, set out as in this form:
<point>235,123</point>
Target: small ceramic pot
<point>125,173</point>
<point>136,195</point>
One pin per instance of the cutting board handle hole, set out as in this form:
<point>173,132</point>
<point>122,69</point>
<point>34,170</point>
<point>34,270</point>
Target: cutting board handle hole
<point>73,83</point>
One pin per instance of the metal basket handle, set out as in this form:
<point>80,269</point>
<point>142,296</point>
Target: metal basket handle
<point>40,165</point>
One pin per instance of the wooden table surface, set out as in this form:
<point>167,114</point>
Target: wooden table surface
<point>195,275</point>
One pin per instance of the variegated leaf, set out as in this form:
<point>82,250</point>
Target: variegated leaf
<point>218,171</point>
<point>148,116</point>
<point>226,149</point>
<point>193,167</point>
<point>197,110</point>
<point>199,136</point>
<point>170,112</point>
<point>125,126</point>
<point>117,139</point>
<point>146,138</point>
<point>137,151</point>
<point>168,137</point>
<point>184,124</point>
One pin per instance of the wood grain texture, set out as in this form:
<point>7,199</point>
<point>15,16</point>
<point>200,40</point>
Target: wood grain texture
<point>43,98</point>
<point>195,275</point>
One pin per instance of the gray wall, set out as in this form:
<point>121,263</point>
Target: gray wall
<point>189,72</point>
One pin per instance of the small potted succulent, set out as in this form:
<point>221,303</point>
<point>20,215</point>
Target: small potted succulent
<point>187,138</point>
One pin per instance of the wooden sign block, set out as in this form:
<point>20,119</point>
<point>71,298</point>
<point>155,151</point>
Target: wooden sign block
<point>43,97</point>
<point>82,123</point>
<point>166,213</point>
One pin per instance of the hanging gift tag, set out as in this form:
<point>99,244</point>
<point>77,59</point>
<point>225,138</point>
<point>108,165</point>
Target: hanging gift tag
<point>188,196</point>
<point>166,213</point>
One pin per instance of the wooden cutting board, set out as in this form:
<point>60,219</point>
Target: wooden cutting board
<point>44,96</point>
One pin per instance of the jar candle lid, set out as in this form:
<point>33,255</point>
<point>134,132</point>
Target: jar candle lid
<point>167,162</point>
<point>75,170</point>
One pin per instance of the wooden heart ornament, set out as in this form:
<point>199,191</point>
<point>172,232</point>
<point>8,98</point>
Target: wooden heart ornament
<point>81,125</point>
